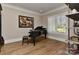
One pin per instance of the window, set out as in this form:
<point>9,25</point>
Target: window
<point>57,24</point>
<point>61,24</point>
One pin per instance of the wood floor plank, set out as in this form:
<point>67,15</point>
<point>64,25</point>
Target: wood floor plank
<point>43,47</point>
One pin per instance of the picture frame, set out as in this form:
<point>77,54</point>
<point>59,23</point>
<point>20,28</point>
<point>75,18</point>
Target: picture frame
<point>26,22</point>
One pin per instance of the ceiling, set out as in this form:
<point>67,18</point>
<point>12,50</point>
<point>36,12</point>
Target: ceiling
<point>38,7</point>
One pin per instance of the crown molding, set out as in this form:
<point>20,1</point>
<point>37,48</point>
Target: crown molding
<point>60,8</point>
<point>21,9</point>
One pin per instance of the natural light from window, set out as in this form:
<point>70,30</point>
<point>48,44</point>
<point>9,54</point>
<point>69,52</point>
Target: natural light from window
<point>57,24</point>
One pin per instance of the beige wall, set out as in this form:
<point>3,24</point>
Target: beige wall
<point>10,30</point>
<point>44,21</point>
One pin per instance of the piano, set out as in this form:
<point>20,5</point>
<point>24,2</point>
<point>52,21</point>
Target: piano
<point>38,31</point>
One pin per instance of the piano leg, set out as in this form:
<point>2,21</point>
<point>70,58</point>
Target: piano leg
<point>45,33</point>
<point>33,39</point>
<point>45,36</point>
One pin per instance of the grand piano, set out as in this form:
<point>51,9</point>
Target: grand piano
<point>38,31</point>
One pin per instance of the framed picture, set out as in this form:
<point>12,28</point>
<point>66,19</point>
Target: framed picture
<point>26,22</point>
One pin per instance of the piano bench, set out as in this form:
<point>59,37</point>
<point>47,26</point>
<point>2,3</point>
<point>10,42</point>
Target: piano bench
<point>25,40</point>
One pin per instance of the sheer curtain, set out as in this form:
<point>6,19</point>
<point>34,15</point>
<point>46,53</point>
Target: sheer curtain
<point>51,24</point>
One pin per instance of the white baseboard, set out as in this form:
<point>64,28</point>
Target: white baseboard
<point>19,39</point>
<point>13,40</point>
<point>59,39</point>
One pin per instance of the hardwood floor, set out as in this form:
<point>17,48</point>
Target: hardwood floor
<point>43,47</point>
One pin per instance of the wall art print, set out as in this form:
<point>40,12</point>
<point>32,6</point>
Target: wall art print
<point>26,22</point>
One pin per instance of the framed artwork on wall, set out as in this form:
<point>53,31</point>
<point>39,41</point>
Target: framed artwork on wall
<point>26,22</point>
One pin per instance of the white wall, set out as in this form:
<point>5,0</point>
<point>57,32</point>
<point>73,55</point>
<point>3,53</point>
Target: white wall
<point>10,30</point>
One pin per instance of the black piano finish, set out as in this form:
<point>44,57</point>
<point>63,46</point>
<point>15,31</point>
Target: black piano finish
<point>37,32</point>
